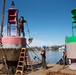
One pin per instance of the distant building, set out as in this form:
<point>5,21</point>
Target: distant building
<point>61,48</point>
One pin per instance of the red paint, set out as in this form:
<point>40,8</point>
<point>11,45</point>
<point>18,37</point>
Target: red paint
<point>13,40</point>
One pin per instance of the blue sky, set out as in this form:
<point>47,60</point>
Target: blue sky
<point>49,21</point>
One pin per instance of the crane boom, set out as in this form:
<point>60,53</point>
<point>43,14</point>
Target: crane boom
<point>2,21</point>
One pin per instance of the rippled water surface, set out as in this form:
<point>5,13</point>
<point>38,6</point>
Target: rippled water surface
<point>51,56</point>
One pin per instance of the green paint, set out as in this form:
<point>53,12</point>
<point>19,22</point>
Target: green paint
<point>73,20</point>
<point>72,30</point>
<point>73,15</point>
<point>70,39</point>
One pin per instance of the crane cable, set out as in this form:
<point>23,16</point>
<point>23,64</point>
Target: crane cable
<point>31,53</point>
<point>30,38</point>
<point>28,29</point>
<point>34,53</point>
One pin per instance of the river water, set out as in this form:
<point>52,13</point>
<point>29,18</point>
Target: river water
<point>51,56</point>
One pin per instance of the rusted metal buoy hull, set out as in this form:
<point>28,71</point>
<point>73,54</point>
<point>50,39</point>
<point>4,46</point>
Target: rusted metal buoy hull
<point>11,47</point>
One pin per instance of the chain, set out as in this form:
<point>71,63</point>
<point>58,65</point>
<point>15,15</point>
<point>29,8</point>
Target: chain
<point>30,38</point>
<point>28,29</point>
